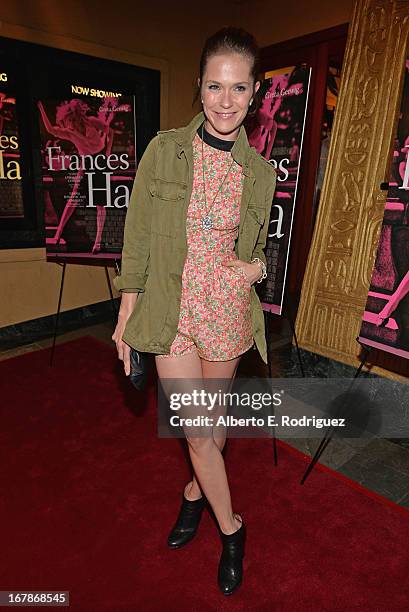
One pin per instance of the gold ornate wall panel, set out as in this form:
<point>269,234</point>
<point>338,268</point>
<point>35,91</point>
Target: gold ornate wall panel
<point>347,229</point>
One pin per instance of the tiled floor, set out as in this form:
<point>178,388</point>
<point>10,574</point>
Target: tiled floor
<point>380,465</point>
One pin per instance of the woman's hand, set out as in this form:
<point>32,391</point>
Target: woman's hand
<point>252,271</point>
<point>128,302</point>
<point>124,350</point>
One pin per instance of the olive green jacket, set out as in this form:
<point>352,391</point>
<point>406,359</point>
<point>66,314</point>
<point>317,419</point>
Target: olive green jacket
<point>155,243</point>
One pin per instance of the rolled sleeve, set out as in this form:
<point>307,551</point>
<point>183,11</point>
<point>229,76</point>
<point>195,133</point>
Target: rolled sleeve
<point>129,283</point>
<point>137,229</point>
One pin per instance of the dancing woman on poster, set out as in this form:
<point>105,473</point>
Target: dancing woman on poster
<point>262,138</point>
<point>90,135</point>
<point>187,295</point>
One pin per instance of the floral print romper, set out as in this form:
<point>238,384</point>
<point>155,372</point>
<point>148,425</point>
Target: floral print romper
<point>215,315</point>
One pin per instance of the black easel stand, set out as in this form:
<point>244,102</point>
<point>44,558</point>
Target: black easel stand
<point>331,429</point>
<point>267,315</point>
<point>290,318</point>
<point>114,309</point>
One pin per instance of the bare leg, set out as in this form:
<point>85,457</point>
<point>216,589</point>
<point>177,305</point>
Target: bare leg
<point>207,458</point>
<point>211,369</point>
<point>69,207</point>
<point>185,366</point>
<point>205,454</point>
<point>101,216</point>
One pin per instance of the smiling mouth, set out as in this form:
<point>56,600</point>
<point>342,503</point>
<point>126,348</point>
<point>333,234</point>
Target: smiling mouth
<point>225,115</point>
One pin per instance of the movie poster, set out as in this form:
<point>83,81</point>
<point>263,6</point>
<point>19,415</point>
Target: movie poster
<point>11,188</point>
<point>385,323</point>
<point>276,132</point>
<point>88,167</point>
<point>331,100</point>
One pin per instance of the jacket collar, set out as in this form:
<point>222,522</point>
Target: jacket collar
<point>241,150</point>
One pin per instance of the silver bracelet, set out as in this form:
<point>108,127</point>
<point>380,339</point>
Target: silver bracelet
<point>263,269</point>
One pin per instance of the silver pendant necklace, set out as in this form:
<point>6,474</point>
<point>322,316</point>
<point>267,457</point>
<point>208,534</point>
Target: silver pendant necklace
<point>207,219</point>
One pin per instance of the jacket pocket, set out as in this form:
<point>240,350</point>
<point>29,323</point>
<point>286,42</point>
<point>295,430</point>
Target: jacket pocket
<point>167,190</point>
<point>167,201</point>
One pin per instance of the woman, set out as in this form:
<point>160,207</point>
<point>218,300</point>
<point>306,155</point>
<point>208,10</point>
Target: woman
<point>194,236</point>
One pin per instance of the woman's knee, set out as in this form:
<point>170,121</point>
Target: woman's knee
<point>201,444</point>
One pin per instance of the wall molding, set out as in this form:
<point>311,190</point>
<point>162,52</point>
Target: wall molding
<point>346,233</point>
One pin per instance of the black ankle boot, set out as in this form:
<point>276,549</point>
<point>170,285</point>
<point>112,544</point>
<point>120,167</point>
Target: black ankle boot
<point>231,561</point>
<point>187,522</point>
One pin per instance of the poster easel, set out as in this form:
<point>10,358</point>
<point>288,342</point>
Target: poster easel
<point>98,262</point>
<point>270,316</point>
<point>344,410</point>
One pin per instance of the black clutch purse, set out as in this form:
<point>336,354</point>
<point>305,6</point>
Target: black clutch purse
<point>139,369</point>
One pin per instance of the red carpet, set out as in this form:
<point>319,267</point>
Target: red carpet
<point>89,493</point>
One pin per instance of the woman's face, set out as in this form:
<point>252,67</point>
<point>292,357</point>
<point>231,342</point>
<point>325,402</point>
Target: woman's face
<point>227,89</point>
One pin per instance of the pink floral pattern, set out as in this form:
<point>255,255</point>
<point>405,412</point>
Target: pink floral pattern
<point>215,315</point>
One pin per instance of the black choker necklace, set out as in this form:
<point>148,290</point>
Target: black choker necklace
<point>213,141</point>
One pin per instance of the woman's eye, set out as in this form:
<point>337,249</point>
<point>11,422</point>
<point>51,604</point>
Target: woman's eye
<point>239,88</point>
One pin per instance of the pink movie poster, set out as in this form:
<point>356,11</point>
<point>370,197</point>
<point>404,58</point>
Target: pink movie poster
<point>385,323</point>
<point>11,192</point>
<point>88,167</point>
<point>276,132</point>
